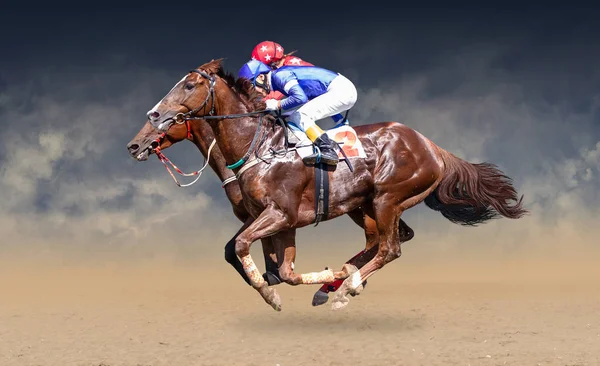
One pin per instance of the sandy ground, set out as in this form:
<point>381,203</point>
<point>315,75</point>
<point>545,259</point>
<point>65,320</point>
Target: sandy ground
<point>452,314</point>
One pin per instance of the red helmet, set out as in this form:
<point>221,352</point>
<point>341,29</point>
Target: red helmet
<point>267,52</point>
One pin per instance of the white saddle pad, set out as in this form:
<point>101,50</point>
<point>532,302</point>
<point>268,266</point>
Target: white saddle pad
<point>343,134</point>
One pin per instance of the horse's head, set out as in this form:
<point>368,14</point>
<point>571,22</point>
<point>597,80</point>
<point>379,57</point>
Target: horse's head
<point>193,95</point>
<point>167,121</point>
<point>203,92</point>
<point>149,139</point>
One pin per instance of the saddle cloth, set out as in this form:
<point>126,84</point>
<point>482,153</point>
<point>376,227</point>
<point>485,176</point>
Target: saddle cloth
<point>344,134</point>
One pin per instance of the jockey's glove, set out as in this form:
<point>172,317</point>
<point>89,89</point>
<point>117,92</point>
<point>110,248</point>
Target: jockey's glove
<point>272,104</point>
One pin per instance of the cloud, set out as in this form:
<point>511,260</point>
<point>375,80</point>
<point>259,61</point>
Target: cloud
<point>67,183</point>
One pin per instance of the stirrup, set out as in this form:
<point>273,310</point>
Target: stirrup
<point>316,159</point>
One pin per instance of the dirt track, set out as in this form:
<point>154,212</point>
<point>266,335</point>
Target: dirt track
<point>159,315</point>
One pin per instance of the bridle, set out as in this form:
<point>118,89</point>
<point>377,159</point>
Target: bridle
<point>181,118</point>
<point>184,117</point>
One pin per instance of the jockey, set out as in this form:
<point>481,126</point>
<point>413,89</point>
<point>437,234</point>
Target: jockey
<point>318,93</point>
<point>272,54</point>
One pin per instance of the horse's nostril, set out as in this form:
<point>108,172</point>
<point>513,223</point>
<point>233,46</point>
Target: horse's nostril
<point>154,115</point>
<point>133,148</point>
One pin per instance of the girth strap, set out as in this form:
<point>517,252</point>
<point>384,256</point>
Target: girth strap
<point>321,192</point>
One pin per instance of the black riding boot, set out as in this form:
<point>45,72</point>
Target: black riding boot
<point>329,154</point>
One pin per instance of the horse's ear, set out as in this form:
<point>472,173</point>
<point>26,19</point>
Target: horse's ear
<point>213,66</point>
<point>217,62</point>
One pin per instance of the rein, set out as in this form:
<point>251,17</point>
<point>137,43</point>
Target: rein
<point>165,160</point>
<point>254,139</point>
<point>185,117</point>
<point>181,118</point>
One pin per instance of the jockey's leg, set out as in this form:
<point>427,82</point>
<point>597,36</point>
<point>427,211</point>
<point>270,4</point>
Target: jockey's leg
<point>340,96</point>
<point>339,120</point>
<point>327,152</point>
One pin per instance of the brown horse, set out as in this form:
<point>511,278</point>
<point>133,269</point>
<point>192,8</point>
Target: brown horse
<point>402,169</point>
<point>149,141</point>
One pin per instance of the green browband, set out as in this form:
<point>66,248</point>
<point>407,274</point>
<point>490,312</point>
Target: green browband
<point>236,165</point>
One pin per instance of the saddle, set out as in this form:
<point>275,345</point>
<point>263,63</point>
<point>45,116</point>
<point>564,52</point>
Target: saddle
<point>351,146</point>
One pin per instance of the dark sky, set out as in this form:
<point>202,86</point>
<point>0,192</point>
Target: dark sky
<point>519,87</point>
<point>405,39</point>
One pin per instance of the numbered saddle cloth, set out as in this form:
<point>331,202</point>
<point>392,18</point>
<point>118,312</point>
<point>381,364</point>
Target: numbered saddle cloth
<point>344,135</point>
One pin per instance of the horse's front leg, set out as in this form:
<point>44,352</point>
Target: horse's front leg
<point>285,247</point>
<point>230,255</point>
<point>271,275</point>
<point>269,222</point>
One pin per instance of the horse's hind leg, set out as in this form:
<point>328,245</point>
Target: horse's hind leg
<point>285,247</point>
<point>363,257</point>
<point>388,220</point>
<point>388,207</point>
<point>372,240</point>
<point>405,234</point>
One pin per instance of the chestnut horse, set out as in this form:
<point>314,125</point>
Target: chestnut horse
<point>149,141</point>
<point>402,168</point>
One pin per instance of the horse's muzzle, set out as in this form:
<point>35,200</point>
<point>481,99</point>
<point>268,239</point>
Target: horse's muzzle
<point>141,153</point>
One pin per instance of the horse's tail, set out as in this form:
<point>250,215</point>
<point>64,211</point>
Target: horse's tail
<point>470,194</point>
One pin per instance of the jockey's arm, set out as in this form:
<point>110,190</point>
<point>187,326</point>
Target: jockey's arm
<point>287,83</point>
<point>275,94</point>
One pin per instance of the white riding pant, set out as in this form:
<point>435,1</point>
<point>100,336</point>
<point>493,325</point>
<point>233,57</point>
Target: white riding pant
<point>340,96</point>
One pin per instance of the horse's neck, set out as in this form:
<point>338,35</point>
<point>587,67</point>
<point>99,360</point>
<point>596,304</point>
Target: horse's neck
<point>234,135</point>
<point>203,138</point>
<point>217,163</point>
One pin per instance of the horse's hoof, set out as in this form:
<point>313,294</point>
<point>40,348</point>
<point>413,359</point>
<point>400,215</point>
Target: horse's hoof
<point>320,298</point>
<point>275,301</point>
<point>271,297</point>
<point>339,302</point>
<point>359,289</point>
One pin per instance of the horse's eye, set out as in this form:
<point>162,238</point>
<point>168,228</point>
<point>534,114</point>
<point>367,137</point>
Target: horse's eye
<point>189,86</point>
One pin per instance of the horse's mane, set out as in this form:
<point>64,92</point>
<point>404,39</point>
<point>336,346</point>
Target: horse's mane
<point>242,86</point>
